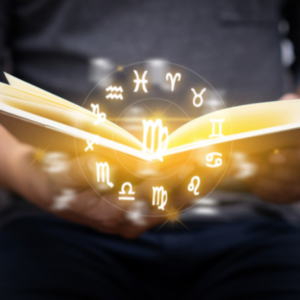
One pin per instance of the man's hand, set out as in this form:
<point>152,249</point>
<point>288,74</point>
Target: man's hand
<point>57,185</point>
<point>277,177</point>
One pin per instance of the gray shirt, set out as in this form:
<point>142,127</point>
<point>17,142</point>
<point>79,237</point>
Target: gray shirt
<point>234,44</point>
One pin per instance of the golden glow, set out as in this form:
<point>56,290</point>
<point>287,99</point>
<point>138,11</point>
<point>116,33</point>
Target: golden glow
<point>39,155</point>
<point>120,68</point>
<point>174,216</point>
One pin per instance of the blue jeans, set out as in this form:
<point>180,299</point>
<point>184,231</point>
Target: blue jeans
<point>42,257</point>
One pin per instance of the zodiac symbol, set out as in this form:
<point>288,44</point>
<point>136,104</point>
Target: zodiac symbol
<point>210,157</point>
<point>114,95</point>
<point>192,187</point>
<point>91,143</point>
<point>161,132</point>
<point>123,192</point>
<point>214,121</point>
<point>103,173</point>
<point>90,146</point>
<point>96,112</point>
<point>139,81</point>
<point>160,195</point>
<point>173,79</point>
<point>198,96</point>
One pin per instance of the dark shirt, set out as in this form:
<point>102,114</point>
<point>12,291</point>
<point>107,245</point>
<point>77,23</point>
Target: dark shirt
<point>233,44</point>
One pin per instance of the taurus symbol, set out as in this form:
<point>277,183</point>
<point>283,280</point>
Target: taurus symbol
<point>198,96</point>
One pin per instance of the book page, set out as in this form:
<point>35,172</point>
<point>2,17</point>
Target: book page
<point>236,123</point>
<point>34,100</point>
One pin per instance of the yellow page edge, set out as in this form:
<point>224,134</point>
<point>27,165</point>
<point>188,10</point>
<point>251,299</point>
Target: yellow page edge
<point>238,136</point>
<point>77,133</point>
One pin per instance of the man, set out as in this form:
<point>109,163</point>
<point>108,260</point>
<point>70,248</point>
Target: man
<point>232,44</point>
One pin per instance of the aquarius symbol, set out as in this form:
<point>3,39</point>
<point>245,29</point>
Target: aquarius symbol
<point>161,132</point>
<point>198,96</point>
<point>114,95</point>
<point>214,134</point>
<point>123,192</point>
<point>139,81</point>
<point>103,173</point>
<point>96,112</point>
<point>218,160</point>
<point>192,187</point>
<point>173,79</point>
<point>160,195</point>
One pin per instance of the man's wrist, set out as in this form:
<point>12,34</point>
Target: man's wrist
<point>27,179</point>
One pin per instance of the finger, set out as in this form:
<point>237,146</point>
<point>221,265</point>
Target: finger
<point>272,198</point>
<point>66,173</point>
<point>287,174</point>
<point>127,229</point>
<point>79,219</point>
<point>90,205</point>
<point>287,156</point>
<point>289,96</point>
<point>276,191</point>
<point>82,170</point>
<point>289,196</point>
<point>270,185</point>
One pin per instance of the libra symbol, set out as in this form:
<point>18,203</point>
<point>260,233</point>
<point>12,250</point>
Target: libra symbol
<point>123,192</point>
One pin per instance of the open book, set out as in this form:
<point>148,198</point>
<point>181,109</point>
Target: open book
<point>250,128</point>
<point>198,151</point>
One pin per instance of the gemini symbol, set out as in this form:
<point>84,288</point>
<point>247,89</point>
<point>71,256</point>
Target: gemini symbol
<point>214,134</point>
